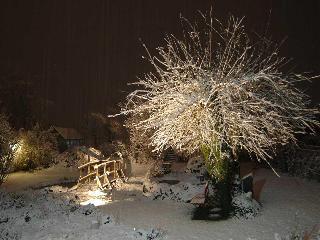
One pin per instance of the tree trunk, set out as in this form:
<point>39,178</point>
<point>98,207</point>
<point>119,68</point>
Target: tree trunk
<point>219,167</point>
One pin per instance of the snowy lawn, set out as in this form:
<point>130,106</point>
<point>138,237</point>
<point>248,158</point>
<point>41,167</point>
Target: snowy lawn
<point>56,213</point>
<point>54,175</point>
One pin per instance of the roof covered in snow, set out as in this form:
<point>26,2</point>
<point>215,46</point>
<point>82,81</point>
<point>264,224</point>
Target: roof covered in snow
<point>68,133</point>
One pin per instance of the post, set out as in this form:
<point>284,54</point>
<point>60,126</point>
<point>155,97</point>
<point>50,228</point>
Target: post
<point>88,173</point>
<point>97,175</point>
<point>104,173</point>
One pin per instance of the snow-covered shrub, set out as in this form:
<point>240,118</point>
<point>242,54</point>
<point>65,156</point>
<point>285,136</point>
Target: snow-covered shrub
<point>100,129</point>
<point>140,149</point>
<point>305,163</point>
<point>245,206</point>
<point>179,192</point>
<point>70,157</point>
<point>196,165</point>
<point>220,91</point>
<point>301,161</point>
<point>6,159</point>
<point>37,148</point>
<point>6,144</point>
<point>108,148</point>
<point>154,234</point>
<point>118,150</point>
<point>216,91</point>
<point>297,233</point>
<point>155,169</point>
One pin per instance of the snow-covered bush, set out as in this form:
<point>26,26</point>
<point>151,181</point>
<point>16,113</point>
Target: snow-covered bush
<point>297,233</point>
<point>196,165</point>
<point>37,148</point>
<point>216,91</point>
<point>182,191</point>
<point>100,129</point>
<point>153,234</point>
<point>220,91</point>
<point>245,206</point>
<point>6,143</point>
<point>118,150</point>
<point>303,160</point>
<point>140,149</point>
<point>305,163</point>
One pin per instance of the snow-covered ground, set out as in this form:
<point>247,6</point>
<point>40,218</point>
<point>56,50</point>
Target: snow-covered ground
<point>288,203</point>
<point>54,175</point>
<point>59,212</point>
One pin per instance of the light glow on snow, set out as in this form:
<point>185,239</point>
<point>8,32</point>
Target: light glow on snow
<point>96,202</point>
<point>97,198</point>
<point>96,193</point>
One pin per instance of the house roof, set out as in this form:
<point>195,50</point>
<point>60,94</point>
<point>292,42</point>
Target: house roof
<point>68,133</point>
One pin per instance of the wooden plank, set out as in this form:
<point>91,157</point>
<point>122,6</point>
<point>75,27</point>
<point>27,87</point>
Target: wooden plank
<point>257,188</point>
<point>99,183</point>
<point>246,168</point>
<point>86,164</point>
<point>87,176</point>
<point>103,175</point>
<point>201,198</point>
<point>99,165</point>
<point>198,199</point>
<point>106,185</point>
<point>104,163</point>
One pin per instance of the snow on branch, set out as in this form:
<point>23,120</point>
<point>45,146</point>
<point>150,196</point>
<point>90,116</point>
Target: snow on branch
<point>216,86</point>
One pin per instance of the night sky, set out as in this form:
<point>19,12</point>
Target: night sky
<point>78,56</point>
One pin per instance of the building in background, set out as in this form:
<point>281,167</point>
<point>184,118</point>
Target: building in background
<point>68,138</point>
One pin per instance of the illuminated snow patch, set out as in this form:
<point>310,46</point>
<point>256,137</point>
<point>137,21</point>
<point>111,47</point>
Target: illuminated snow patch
<point>97,198</point>
<point>96,202</point>
<point>96,193</point>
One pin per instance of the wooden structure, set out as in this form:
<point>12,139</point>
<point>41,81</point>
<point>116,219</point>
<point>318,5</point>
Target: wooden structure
<point>166,167</point>
<point>248,180</point>
<point>169,157</point>
<point>108,172</point>
<point>201,198</point>
<point>103,171</point>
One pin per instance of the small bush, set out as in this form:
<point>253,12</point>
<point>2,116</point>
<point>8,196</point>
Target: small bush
<point>100,129</point>
<point>245,206</point>
<point>37,148</point>
<point>6,141</point>
<point>139,150</point>
<point>303,161</point>
<point>297,233</point>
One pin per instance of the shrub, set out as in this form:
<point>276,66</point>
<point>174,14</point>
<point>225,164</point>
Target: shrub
<point>217,91</point>
<point>302,160</point>
<point>37,148</point>
<point>297,233</point>
<point>119,149</point>
<point>100,129</point>
<point>6,141</point>
<point>139,149</point>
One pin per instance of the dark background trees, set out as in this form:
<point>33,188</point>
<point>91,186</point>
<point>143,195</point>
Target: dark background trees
<point>61,60</point>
